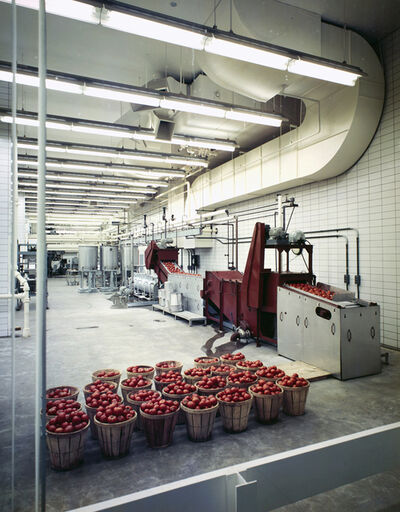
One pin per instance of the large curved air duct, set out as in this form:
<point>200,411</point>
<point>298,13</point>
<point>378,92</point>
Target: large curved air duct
<point>338,126</point>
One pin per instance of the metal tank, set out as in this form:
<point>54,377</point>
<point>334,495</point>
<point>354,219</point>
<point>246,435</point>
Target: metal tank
<point>129,256</point>
<point>87,257</point>
<point>109,256</point>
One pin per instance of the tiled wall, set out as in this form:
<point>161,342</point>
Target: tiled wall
<point>365,197</point>
<point>5,164</point>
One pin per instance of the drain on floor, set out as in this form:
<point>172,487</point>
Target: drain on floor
<point>89,327</point>
<point>159,321</point>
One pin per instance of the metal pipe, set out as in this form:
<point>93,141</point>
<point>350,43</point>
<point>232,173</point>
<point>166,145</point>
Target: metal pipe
<point>357,278</point>
<point>237,243</point>
<point>346,251</point>
<point>41,291</point>
<point>13,245</point>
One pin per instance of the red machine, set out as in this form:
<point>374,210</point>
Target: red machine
<point>162,261</point>
<point>249,300</point>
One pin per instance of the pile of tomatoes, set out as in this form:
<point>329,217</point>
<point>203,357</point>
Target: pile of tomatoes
<point>233,357</point>
<point>214,382</point>
<point>206,360</point>
<point>179,388</point>
<point>199,402</point>
<point>272,372</point>
<point>222,369</point>
<point>115,413</point>
<point>241,377</point>
<point>167,364</point>
<point>144,395</point>
<point>100,386</point>
<point>60,392</point>
<point>53,407</point>
<point>159,406</point>
<point>65,423</point>
<point>293,381</point>
<point>233,395</point>
<point>250,364</point>
<point>105,374</point>
<point>197,372</point>
<point>168,377</point>
<point>136,382</point>
<point>265,387</point>
<point>309,288</point>
<point>140,369</point>
<point>97,399</point>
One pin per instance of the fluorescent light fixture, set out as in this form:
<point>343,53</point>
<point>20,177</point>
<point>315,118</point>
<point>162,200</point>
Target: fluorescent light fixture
<point>133,134</point>
<point>322,72</point>
<point>250,117</point>
<point>112,198</point>
<point>145,27</point>
<point>116,95</point>
<point>127,155</point>
<point>246,53</point>
<point>60,186</point>
<point>100,180</point>
<point>193,108</point>
<point>181,33</point>
<point>84,167</point>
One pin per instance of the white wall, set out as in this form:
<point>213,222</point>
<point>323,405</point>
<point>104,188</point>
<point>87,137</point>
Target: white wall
<point>5,165</point>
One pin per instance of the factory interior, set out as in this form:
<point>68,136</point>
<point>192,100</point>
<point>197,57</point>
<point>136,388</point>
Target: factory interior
<point>199,282</point>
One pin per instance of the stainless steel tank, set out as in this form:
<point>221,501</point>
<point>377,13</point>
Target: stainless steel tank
<point>129,256</point>
<point>109,255</point>
<point>87,257</point>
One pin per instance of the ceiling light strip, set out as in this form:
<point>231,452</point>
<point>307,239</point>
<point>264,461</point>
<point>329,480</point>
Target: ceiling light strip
<point>133,20</point>
<point>119,131</point>
<point>116,92</point>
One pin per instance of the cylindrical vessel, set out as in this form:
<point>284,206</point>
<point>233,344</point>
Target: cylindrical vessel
<point>109,257</point>
<point>129,256</point>
<point>294,399</point>
<point>199,422</point>
<point>115,438</point>
<point>159,430</point>
<point>114,378</point>
<point>266,407</point>
<point>235,415</point>
<point>176,302</point>
<point>125,390</point>
<point>135,404</point>
<point>87,257</point>
<point>66,450</point>
<point>91,412</point>
<point>74,392</point>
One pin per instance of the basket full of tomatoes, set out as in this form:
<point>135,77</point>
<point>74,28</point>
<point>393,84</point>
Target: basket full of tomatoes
<point>107,375</point>
<point>200,412</point>
<point>295,391</point>
<point>177,391</point>
<point>234,406</point>
<point>267,398</point>
<point>133,384</point>
<point>205,362</point>
<point>115,425</point>
<point>159,418</point>
<point>136,399</point>
<point>168,366</point>
<point>192,375</point>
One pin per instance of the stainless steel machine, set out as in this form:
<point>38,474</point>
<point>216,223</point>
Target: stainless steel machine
<point>129,260</point>
<point>332,330</point>
<point>87,266</point>
<point>109,266</point>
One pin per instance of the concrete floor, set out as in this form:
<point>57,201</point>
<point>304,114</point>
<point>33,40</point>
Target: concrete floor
<point>85,334</point>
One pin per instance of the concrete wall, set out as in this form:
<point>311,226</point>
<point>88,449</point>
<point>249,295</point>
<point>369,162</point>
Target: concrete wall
<point>5,165</point>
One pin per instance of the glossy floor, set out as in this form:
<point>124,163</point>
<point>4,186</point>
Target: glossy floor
<point>85,334</point>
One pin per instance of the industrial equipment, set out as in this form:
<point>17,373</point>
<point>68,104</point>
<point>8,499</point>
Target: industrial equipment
<point>27,264</point>
<point>338,333</point>
<point>109,267</point>
<point>129,260</point>
<point>162,261</point>
<point>87,267</point>
<point>248,301</point>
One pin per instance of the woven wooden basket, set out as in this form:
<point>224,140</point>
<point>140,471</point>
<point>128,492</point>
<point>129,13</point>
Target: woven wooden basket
<point>91,412</point>
<point>115,438</point>
<point>222,374</point>
<point>178,398</point>
<point>229,361</point>
<point>159,430</point>
<point>246,369</point>
<point>205,392</point>
<point>125,390</point>
<point>294,400</point>
<point>243,385</point>
<point>191,380</point>
<point>145,375</point>
<point>235,415</point>
<point>206,362</point>
<point>135,404</point>
<point>66,450</point>
<point>176,368</point>
<point>266,407</point>
<point>115,378</point>
<point>199,422</point>
<point>73,396</point>
<point>87,393</point>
